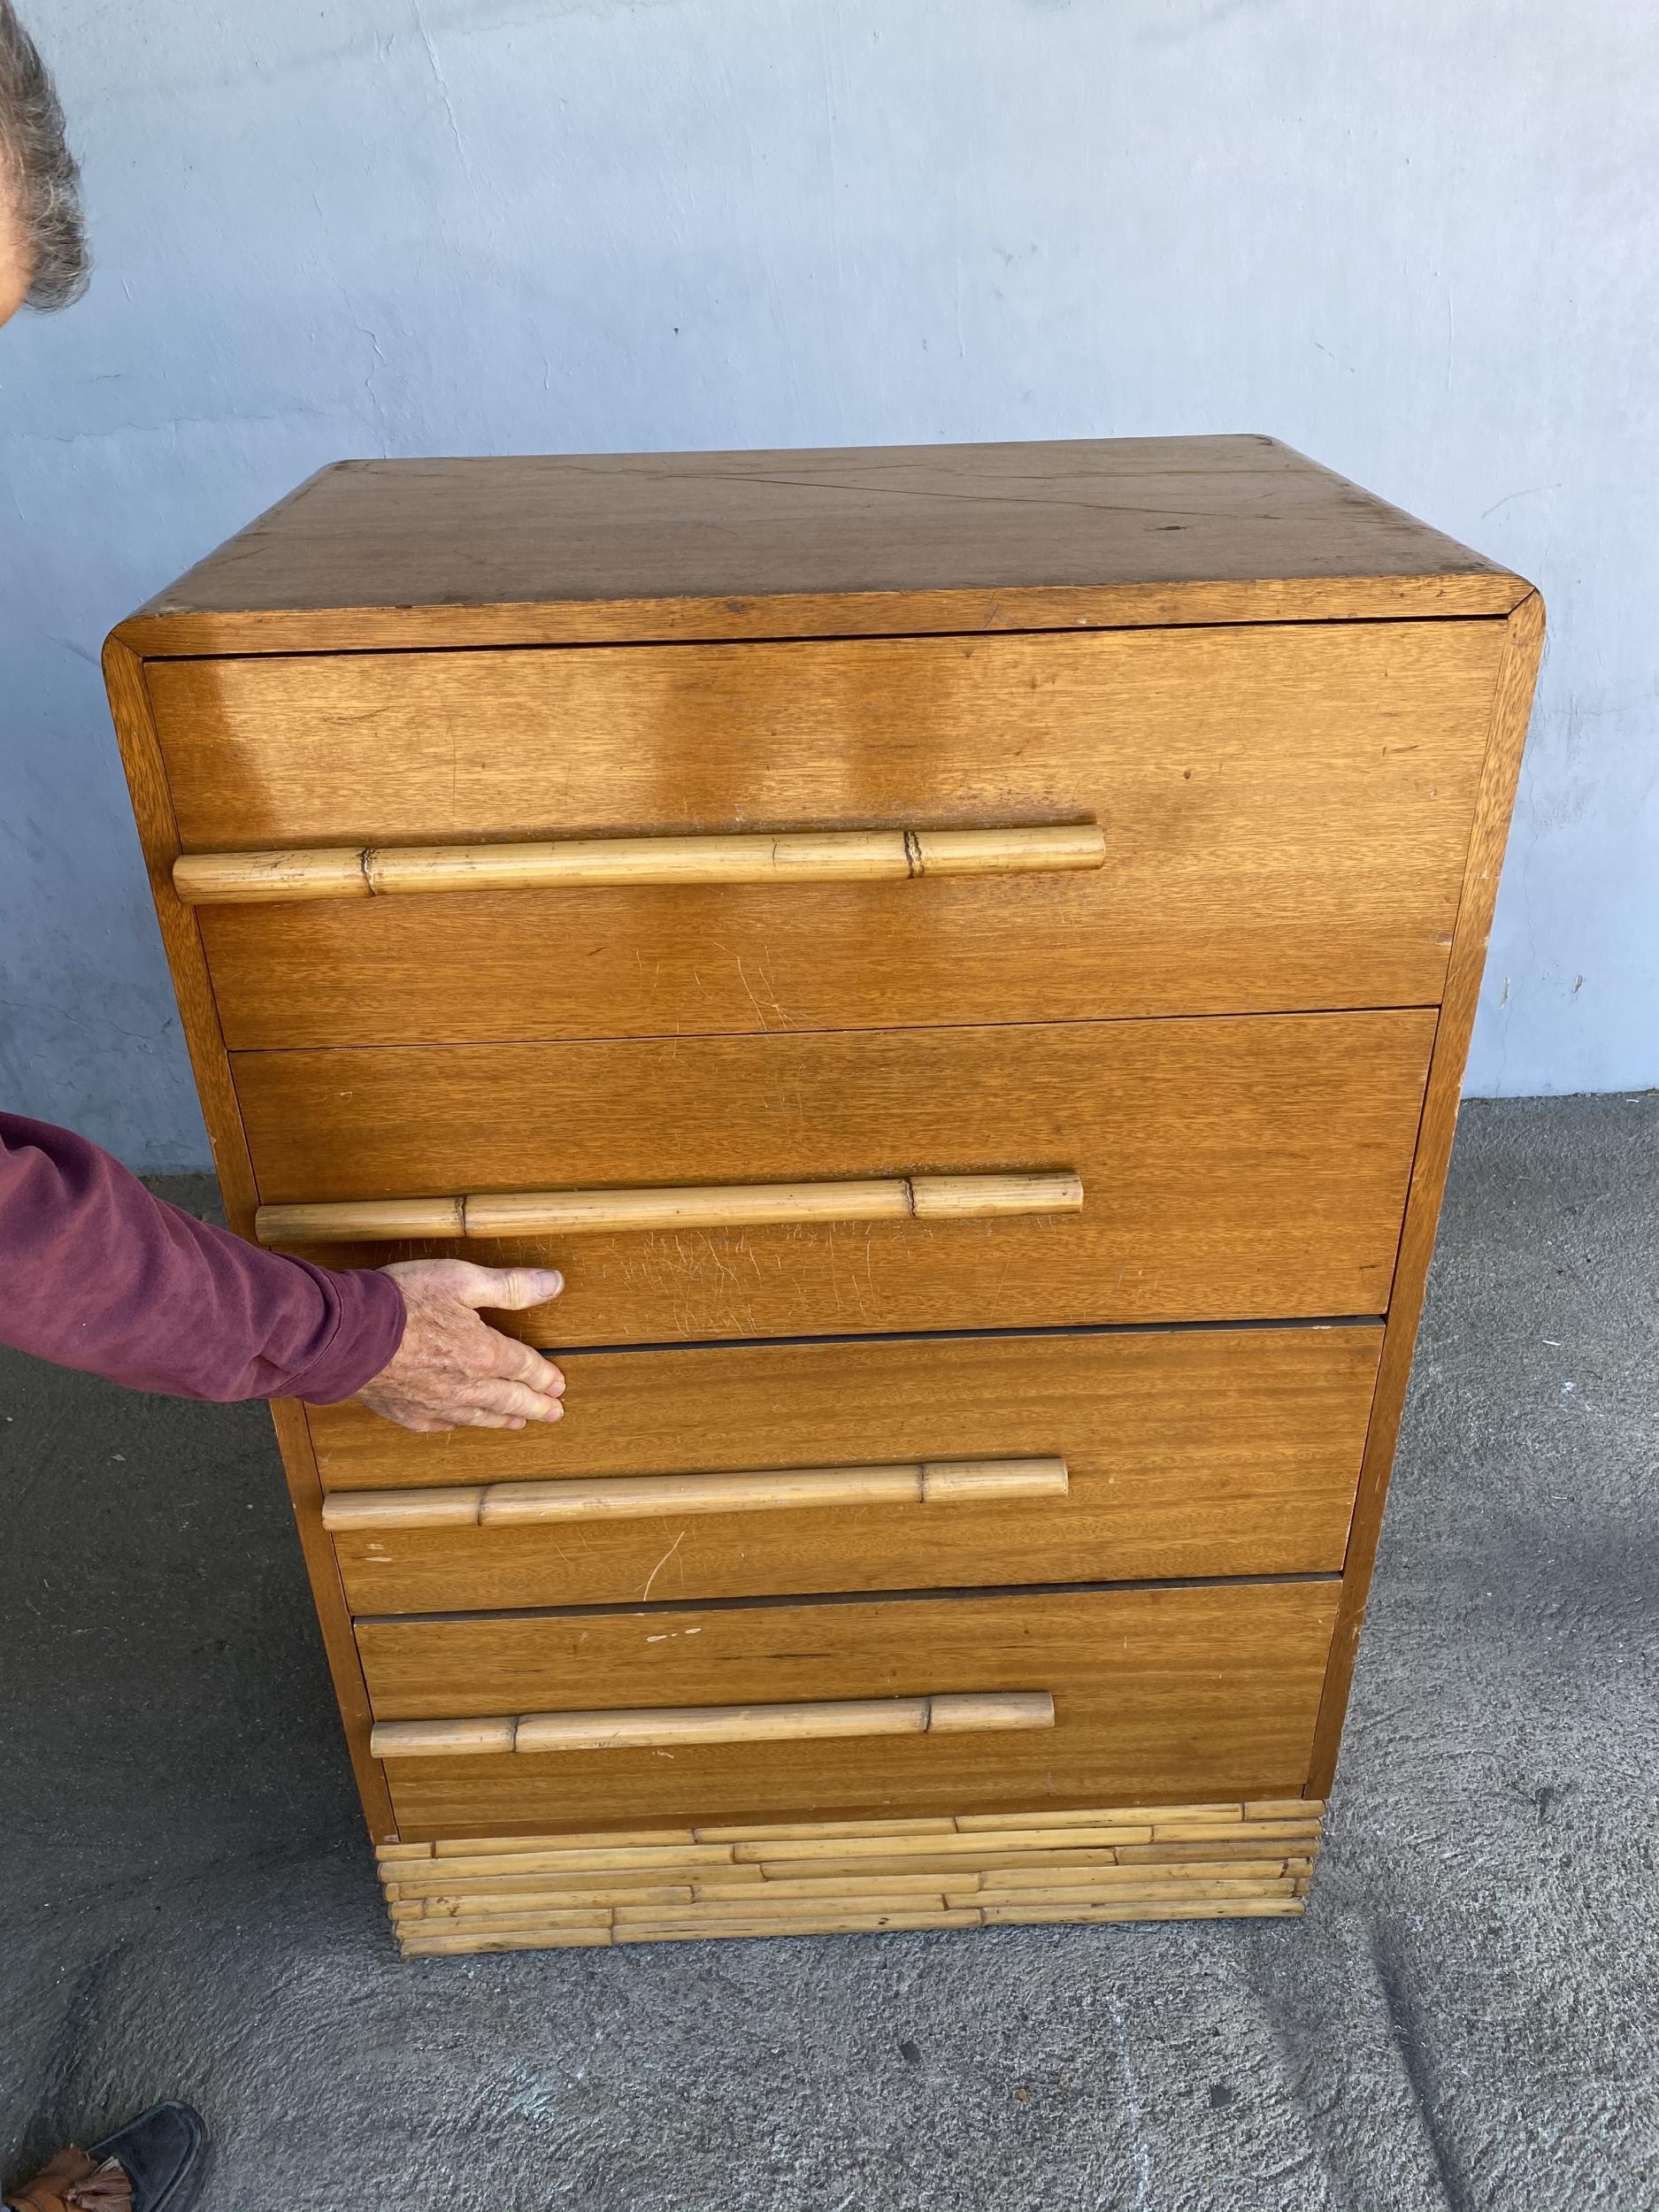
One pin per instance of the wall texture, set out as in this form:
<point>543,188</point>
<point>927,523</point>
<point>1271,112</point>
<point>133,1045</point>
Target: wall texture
<point>1415,239</point>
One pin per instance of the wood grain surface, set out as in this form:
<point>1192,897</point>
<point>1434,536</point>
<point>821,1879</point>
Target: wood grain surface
<point>1200,1692</point>
<point>1224,1401</point>
<point>1512,706</point>
<point>1187,1453</point>
<point>1234,1169</point>
<point>803,542</point>
<point>1286,813</point>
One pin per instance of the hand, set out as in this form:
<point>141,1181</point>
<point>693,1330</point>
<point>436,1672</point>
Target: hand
<point>453,1370</point>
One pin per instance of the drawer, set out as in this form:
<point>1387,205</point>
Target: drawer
<point>1185,1453</point>
<point>1231,1169</point>
<point>1286,813</point>
<point>1203,1694</point>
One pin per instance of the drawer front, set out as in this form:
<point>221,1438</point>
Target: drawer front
<point>1200,1452</point>
<point>1287,811</point>
<point>1206,1693</point>
<point>1231,1169</point>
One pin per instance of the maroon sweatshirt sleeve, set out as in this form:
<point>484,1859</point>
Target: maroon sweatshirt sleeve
<point>96,1273</point>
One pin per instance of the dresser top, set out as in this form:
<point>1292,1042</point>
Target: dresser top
<point>568,549</point>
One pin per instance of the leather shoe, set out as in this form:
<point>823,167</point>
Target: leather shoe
<point>156,2164</point>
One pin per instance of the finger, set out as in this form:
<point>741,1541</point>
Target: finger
<point>522,1363</point>
<point>510,1289</point>
<point>494,1395</point>
<point>474,1418</point>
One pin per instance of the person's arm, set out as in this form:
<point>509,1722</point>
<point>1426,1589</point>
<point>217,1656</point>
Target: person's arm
<point>96,1273</point>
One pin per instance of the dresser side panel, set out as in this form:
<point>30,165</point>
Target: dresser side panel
<point>1511,710</point>
<point>159,835</point>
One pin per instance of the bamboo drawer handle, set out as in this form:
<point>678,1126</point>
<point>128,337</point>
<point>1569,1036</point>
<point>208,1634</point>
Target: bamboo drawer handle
<point>708,1206</point>
<point>353,871</point>
<point>638,1497</point>
<point>959,1713</point>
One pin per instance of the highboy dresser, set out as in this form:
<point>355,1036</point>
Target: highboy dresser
<point>965,957</point>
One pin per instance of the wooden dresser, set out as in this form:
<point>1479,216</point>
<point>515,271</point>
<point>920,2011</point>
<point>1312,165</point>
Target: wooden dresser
<point>964,956</point>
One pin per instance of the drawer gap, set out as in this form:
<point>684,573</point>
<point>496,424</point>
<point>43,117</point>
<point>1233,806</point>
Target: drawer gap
<point>1293,1010</point>
<point>836,1597</point>
<point>946,1336</point>
<point>265,648</point>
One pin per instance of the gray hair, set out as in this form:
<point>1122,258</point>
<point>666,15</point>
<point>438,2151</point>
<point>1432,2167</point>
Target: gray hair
<point>38,173</point>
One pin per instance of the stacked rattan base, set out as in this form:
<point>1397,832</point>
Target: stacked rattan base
<point>1147,1863</point>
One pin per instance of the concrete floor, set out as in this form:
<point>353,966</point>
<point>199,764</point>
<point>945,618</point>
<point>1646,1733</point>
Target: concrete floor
<point>1466,2018</point>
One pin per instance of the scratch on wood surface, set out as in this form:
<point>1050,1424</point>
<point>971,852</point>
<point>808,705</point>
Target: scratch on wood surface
<point>768,1014</point>
<point>661,1563</point>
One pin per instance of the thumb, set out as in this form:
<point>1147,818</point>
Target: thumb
<point>511,1289</point>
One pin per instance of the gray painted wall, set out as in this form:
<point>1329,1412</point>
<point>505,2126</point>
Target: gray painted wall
<point>1416,240</point>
